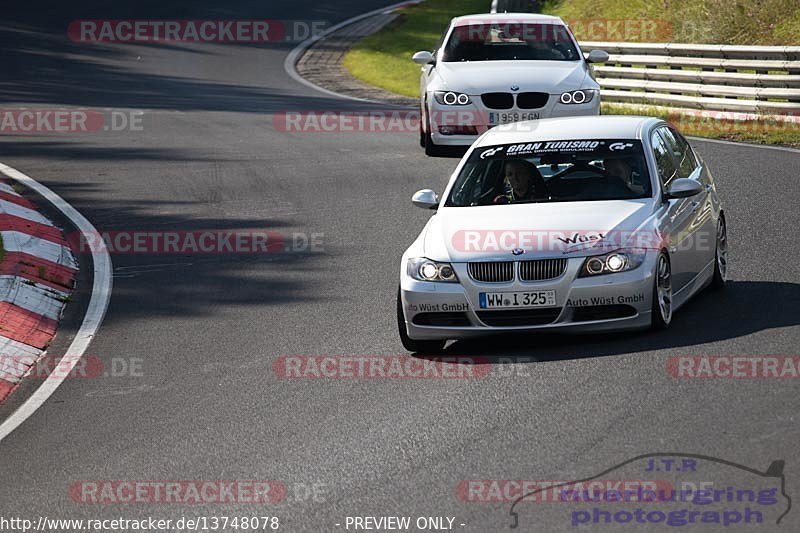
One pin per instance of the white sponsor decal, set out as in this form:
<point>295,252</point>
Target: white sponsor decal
<point>491,152</point>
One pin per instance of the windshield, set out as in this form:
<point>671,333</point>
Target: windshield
<point>510,41</point>
<point>552,171</point>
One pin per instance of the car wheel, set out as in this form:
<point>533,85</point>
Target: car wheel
<point>721,255</point>
<point>424,347</point>
<point>661,314</point>
<point>431,149</point>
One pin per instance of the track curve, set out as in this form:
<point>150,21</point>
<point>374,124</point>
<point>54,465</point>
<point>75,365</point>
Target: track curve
<point>207,404</point>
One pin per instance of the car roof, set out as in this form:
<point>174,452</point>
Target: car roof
<point>566,128</point>
<point>506,17</point>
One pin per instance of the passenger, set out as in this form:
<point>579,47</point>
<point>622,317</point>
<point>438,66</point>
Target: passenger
<point>620,169</point>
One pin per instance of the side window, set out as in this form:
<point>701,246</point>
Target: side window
<point>681,151</point>
<point>665,163</point>
<point>692,156</point>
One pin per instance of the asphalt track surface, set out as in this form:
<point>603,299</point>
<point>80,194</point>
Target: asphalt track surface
<point>208,406</point>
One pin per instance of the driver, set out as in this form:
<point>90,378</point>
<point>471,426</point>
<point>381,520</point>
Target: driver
<point>525,183</point>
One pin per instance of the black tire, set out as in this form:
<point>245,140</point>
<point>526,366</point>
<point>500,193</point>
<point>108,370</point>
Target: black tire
<point>422,347</point>
<point>431,149</point>
<point>421,129</point>
<point>659,319</point>
<point>720,255</point>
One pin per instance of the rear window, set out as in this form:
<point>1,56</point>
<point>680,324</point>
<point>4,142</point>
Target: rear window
<point>553,171</point>
<point>509,41</point>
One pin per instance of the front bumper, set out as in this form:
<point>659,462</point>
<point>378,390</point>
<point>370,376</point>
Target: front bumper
<point>477,115</point>
<point>452,310</point>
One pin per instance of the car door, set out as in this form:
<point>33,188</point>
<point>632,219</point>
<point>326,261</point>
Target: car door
<point>703,228</point>
<point>676,225</point>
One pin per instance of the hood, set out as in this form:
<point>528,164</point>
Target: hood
<point>478,77</point>
<point>574,229</point>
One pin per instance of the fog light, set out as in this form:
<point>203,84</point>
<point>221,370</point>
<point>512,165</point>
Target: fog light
<point>594,266</point>
<point>458,130</point>
<point>446,273</point>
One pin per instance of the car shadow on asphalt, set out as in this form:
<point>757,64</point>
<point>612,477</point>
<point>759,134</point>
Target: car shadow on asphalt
<point>151,279</point>
<point>741,308</point>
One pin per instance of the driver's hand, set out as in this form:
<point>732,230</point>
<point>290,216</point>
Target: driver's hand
<point>501,199</point>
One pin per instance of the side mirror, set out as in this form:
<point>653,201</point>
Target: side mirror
<point>684,188</point>
<point>423,58</point>
<point>425,199</point>
<point>597,56</point>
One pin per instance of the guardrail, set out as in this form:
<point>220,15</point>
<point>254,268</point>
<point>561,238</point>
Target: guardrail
<point>751,79</point>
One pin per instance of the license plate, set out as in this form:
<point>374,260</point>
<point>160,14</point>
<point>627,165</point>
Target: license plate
<point>496,119</point>
<point>505,300</point>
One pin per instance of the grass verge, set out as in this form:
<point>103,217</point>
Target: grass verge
<point>384,58</point>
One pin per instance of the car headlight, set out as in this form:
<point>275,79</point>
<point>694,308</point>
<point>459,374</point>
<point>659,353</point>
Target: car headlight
<point>451,98</point>
<point>423,269</point>
<point>611,263</point>
<point>582,96</point>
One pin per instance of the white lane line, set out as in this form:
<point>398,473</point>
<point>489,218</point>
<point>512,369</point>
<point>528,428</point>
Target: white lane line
<point>98,304</point>
<point>289,64</point>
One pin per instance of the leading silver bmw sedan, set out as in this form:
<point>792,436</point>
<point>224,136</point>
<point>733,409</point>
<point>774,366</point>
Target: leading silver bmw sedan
<point>570,224</point>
